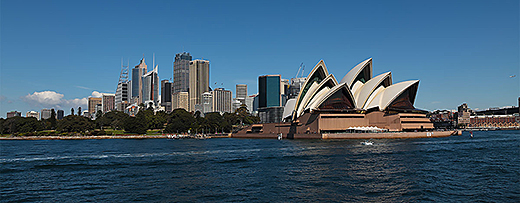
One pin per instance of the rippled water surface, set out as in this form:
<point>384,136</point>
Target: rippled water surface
<point>454,169</point>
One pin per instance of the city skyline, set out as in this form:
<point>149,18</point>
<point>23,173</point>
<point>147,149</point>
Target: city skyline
<point>56,54</point>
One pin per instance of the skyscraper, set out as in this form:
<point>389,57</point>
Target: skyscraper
<point>108,102</point>
<point>166,95</point>
<point>92,103</point>
<point>137,77</point>
<point>199,81</point>
<point>46,113</point>
<point>33,114</point>
<point>13,114</point>
<point>122,90</point>
<point>121,95</point>
<point>180,100</point>
<point>269,91</point>
<point>181,72</point>
<point>60,113</point>
<point>241,93</point>
<point>221,100</point>
<point>150,87</point>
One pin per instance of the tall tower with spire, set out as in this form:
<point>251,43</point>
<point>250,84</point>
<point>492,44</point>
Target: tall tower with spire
<point>150,87</point>
<point>137,80</point>
<point>122,91</point>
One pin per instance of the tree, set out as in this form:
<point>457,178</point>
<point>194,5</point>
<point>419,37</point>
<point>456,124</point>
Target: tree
<point>180,121</point>
<point>136,124</point>
<point>99,114</point>
<point>71,111</point>
<point>52,120</point>
<point>73,123</point>
<point>79,111</point>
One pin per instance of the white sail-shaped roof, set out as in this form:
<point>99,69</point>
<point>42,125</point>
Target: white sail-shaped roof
<point>318,97</point>
<point>353,74</point>
<point>362,94</point>
<point>289,108</point>
<point>329,81</point>
<point>318,73</point>
<point>335,89</point>
<point>389,94</point>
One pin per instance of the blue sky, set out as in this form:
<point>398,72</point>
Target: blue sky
<point>57,53</point>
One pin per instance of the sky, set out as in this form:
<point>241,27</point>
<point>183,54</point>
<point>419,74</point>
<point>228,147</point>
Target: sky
<point>55,54</point>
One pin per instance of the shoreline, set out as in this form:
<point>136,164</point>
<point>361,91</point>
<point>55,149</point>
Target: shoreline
<point>399,135</point>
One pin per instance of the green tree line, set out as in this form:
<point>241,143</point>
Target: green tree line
<point>177,121</point>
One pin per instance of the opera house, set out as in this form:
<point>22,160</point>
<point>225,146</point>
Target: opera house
<point>360,105</point>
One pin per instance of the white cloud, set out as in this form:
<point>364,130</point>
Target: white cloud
<point>45,98</point>
<point>96,94</point>
<point>52,99</point>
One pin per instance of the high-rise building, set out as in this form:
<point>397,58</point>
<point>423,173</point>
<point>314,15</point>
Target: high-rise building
<point>121,95</point>
<point>235,104</point>
<point>166,95</point>
<point>46,113</point>
<point>13,114</point>
<point>180,100</point>
<point>249,103</point>
<point>92,103</point>
<point>137,77</point>
<point>33,114</point>
<point>60,114</point>
<point>150,87</point>
<point>199,81</point>
<point>181,72</point>
<point>269,91</point>
<point>123,88</point>
<point>241,93</point>
<point>108,101</point>
<point>222,100</point>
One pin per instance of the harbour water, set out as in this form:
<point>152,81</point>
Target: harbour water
<point>452,169</point>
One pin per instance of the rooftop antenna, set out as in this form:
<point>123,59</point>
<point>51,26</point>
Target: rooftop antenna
<point>123,76</point>
<point>153,64</point>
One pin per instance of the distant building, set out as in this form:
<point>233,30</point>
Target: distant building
<point>13,114</point>
<point>166,95</point>
<point>269,90</point>
<point>294,88</point>
<point>463,115</point>
<point>511,121</point>
<point>132,110</point>
<point>235,104</point>
<point>34,114</point>
<point>180,101</point>
<point>241,93</point>
<point>284,90</point>
<point>108,101</point>
<point>249,103</point>
<point>92,103</point>
<point>221,100</point>
<point>199,81</point>
<point>137,80</point>
<point>181,72</point>
<point>122,95</point>
<point>99,107</point>
<point>46,113</point>
<point>207,102</point>
<point>60,114</point>
<point>270,114</point>
<point>150,86</point>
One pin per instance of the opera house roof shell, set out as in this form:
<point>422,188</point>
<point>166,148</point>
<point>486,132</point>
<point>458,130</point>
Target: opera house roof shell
<point>356,91</point>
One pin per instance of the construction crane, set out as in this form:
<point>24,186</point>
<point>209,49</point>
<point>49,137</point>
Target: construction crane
<point>302,69</point>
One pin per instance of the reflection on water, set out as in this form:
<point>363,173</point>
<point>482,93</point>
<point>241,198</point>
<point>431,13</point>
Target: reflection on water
<point>485,168</point>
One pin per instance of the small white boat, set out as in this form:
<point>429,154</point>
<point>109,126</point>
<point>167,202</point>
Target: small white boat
<point>280,136</point>
<point>367,143</point>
